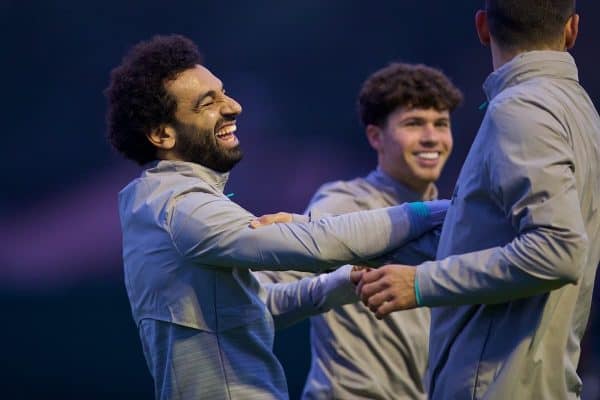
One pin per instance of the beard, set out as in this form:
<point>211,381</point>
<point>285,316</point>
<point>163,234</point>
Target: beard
<point>201,147</point>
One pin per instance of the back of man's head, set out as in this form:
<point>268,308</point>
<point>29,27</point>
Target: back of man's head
<point>528,24</point>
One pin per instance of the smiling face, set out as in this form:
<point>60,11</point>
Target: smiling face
<point>204,124</point>
<point>413,145</point>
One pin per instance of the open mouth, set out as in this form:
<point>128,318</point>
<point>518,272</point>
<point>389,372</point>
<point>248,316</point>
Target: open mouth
<point>428,159</point>
<point>428,155</point>
<point>226,134</point>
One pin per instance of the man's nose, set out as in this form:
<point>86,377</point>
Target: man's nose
<point>231,107</point>
<point>429,134</point>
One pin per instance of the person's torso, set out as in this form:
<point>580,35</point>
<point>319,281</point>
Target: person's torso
<point>163,285</point>
<point>527,348</point>
<point>354,355</point>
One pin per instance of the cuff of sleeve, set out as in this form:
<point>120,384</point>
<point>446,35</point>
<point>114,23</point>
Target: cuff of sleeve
<point>426,215</point>
<point>418,214</point>
<point>430,293</point>
<point>437,211</point>
<point>336,289</point>
<point>300,218</point>
<point>418,292</point>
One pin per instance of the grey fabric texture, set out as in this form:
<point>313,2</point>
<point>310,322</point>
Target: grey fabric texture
<point>354,355</point>
<point>518,252</point>
<point>187,249</point>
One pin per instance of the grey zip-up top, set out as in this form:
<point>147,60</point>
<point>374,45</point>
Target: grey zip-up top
<point>188,251</point>
<point>519,246</point>
<point>354,355</point>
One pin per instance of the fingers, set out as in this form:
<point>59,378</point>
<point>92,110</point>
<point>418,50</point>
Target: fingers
<point>378,299</point>
<point>369,276</point>
<point>368,290</point>
<point>386,308</point>
<point>373,275</point>
<point>387,289</point>
<point>268,219</point>
<point>357,273</point>
<point>355,276</point>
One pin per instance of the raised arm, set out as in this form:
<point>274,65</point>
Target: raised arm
<point>214,231</point>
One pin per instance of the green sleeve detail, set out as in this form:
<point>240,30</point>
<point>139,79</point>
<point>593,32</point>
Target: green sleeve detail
<point>418,292</point>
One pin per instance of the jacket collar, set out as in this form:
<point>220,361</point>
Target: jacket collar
<point>189,169</point>
<point>528,65</point>
<point>397,190</point>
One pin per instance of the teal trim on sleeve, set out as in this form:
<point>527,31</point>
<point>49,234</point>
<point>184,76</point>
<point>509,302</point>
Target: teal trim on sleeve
<point>418,292</point>
<point>419,208</point>
<point>418,214</point>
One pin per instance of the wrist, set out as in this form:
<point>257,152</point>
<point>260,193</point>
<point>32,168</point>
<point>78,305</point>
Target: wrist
<point>337,289</point>
<point>418,298</point>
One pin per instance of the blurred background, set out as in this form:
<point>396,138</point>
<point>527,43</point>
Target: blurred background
<point>296,67</point>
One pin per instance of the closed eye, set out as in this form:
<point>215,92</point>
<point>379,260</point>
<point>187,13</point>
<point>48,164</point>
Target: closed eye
<point>413,122</point>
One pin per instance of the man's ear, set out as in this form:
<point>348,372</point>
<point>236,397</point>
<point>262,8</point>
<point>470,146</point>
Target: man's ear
<point>163,137</point>
<point>374,136</point>
<point>571,31</point>
<point>482,26</point>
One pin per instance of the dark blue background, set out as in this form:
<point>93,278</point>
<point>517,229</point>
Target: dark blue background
<point>294,66</point>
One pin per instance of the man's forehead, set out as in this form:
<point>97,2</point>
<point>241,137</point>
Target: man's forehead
<point>193,81</point>
<point>404,112</point>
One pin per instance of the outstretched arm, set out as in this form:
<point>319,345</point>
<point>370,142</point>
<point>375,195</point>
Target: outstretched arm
<point>290,302</point>
<point>214,231</point>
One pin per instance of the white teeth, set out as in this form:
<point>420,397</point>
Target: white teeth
<point>433,155</point>
<point>226,130</point>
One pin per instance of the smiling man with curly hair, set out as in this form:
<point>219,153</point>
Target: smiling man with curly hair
<point>205,322</point>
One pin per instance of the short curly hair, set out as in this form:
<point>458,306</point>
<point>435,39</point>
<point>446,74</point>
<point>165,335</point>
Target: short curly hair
<point>405,85</point>
<point>138,101</point>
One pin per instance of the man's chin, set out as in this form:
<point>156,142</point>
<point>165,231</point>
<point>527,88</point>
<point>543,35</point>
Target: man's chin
<point>227,160</point>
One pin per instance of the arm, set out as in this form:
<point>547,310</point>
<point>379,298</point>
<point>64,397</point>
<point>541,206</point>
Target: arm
<point>330,199</point>
<point>293,301</point>
<point>214,231</point>
<point>531,175</point>
<point>340,198</point>
<point>417,251</point>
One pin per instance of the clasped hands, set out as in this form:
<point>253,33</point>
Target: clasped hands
<point>386,289</point>
<point>383,290</point>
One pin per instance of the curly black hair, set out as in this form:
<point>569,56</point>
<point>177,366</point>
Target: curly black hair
<point>405,85</point>
<point>137,99</point>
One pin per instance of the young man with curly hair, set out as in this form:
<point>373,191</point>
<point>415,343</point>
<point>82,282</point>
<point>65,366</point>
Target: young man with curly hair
<point>205,323</point>
<point>518,253</point>
<point>405,110</point>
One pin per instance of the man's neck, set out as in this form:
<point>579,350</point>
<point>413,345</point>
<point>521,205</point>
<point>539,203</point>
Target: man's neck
<point>501,56</point>
<point>421,187</point>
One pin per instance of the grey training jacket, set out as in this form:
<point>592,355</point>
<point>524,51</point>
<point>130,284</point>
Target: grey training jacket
<point>519,246</point>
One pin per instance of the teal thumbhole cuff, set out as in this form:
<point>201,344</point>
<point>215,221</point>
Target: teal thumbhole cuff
<point>418,292</point>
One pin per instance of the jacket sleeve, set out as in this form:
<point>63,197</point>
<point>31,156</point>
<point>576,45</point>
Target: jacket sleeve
<point>416,251</point>
<point>530,167</point>
<point>330,199</point>
<point>297,296</point>
<point>213,231</point>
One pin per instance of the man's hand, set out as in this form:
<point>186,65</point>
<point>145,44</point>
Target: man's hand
<point>268,219</point>
<point>388,289</point>
<point>357,273</point>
